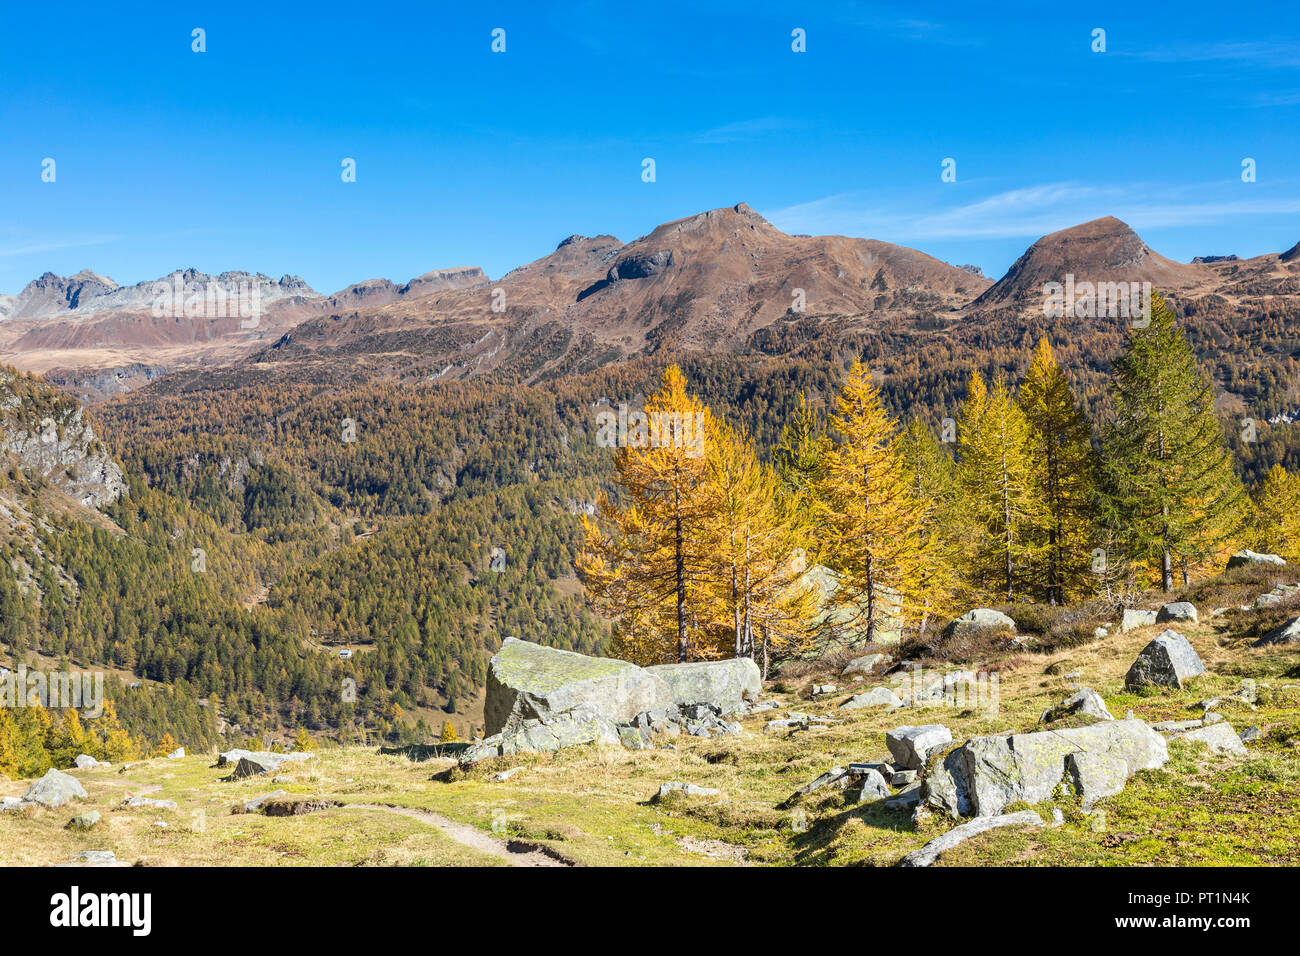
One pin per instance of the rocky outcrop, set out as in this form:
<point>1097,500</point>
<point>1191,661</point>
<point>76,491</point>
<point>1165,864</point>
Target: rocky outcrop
<point>44,432</point>
<point>543,699</point>
<point>1168,661</point>
<point>987,774</point>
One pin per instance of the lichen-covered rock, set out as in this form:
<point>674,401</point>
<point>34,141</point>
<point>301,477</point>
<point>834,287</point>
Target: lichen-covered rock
<point>719,683</point>
<point>55,789</point>
<point>1177,611</point>
<point>1135,618</point>
<point>980,618</point>
<point>677,788</point>
<point>529,682</point>
<point>569,729</point>
<point>1167,661</point>
<point>987,774</point>
<point>1095,775</point>
<point>863,665</point>
<point>1218,736</point>
<point>85,761</point>
<point>1084,701</point>
<point>912,746</point>
<point>83,821</point>
<point>876,697</point>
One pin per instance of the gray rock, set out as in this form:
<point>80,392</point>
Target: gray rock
<point>177,754</point>
<point>945,689</point>
<point>958,834</point>
<point>230,757</point>
<point>634,738</point>
<point>722,682</point>
<point>1251,557</point>
<point>255,804</point>
<point>83,821</point>
<point>1288,633</point>
<point>1177,611</point>
<point>873,787</point>
<point>837,777</point>
<point>1095,775</point>
<point>980,618</point>
<point>1220,738</point>
<point>95,858</point>
<point>1134,619</point>
<point>55,789</point>
<point>863,665</point>
<point>1167,661</point>
<point>13,804</point>
<point>911,746</point>
<point>821,690</point>
<point>987,774</point>
<point>901,778</point>
<point>528,682</point>
<point>85,761</point>
<point>876,697</point>
<point>149,802</point>
<point>568,729</point>
<point>1249,734</point>
<point>1084,701</point>
<point>682,789</point>
<point>1265,600</point>
<point>1211,718</point>
<point>1175,726</point>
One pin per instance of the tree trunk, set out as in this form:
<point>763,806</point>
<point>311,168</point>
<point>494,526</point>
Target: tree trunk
<point>679,546</point>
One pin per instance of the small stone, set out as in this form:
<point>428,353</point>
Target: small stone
<point>176,754</point>
<point>1249,734</point>
<point>683,789</point>
<point>83,821</point>
<point>873,787</point>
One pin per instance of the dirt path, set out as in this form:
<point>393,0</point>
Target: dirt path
<point>515,852</point>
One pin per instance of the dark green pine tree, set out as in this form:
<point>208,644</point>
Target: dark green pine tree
<point>1169,480</point>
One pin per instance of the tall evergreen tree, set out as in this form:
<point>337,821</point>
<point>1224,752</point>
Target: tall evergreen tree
<point>1169,478</point>
<point>1000,498</point>
<point>870,521</point>
<point>647,555</point>
<point>1064,467</point>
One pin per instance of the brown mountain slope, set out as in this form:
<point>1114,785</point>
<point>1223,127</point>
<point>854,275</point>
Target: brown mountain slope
<point>706,282</point>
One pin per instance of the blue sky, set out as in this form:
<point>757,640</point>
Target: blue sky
<point>230,159</point>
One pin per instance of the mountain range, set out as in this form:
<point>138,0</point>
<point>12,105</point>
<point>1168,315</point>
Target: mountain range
<point>725,281</point>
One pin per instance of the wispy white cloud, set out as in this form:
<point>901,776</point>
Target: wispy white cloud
<point>33,247</point>
<point>1030,212</point>
<point>1276,54</point>
<point>746,130</point>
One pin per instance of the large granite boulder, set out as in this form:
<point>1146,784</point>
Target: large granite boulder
<point>530,682</point>
<point>979,619</point>
<point>1251,557</point>
<point>55,789</point>
<point>730,681</point>
<point>987,774</point>
<point>1167,661</point>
